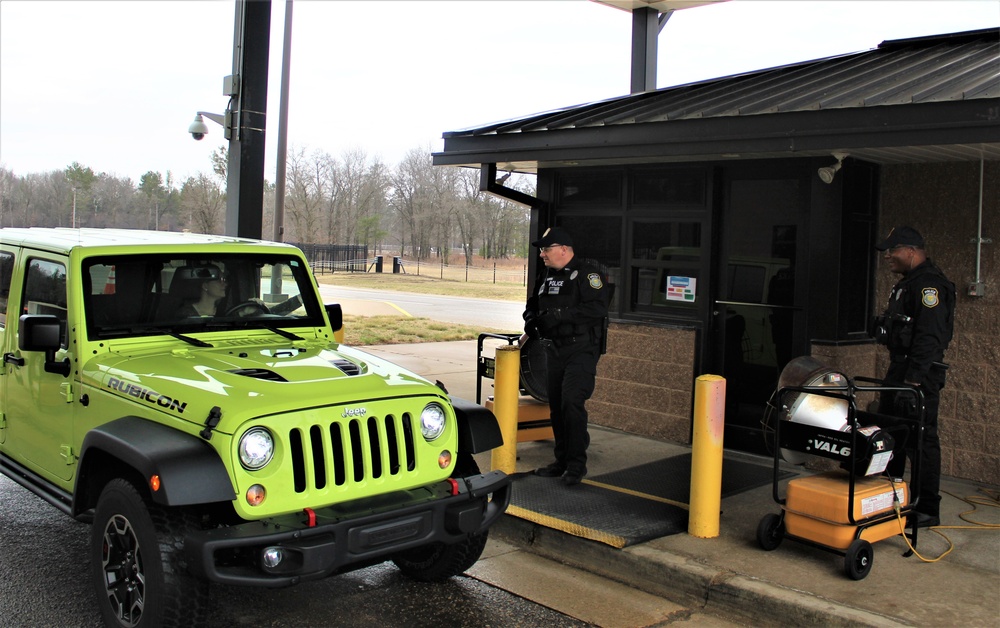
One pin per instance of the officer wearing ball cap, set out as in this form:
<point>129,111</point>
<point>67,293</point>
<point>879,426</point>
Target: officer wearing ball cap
<point>917,326</point>
<point>567,314</point>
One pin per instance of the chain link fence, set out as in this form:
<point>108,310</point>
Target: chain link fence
<point>328,258</point>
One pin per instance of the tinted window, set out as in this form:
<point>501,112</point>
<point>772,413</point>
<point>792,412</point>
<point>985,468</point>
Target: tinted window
<point>45,291</point>
<point>6,271</point>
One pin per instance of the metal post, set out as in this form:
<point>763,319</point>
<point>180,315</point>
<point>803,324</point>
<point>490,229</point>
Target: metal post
<point>505,395</point>
<point>279,177</point>
<point>706,456</point>
<point>245,180</point>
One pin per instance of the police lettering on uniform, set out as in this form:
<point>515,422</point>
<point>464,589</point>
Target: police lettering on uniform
<point>916,327</point>
<point>567,314</point>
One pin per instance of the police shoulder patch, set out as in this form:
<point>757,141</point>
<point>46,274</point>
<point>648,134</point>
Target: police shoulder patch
<point>930,297</point>
<point>595,281</point>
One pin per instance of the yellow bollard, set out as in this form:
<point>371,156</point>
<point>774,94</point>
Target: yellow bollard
<point>506,385</point>
<point>706,456</point>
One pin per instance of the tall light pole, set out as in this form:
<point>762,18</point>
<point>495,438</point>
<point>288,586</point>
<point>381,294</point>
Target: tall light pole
<point>74,208</point>
<point>279,180</point>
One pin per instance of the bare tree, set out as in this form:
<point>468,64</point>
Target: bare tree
<point>444,205</point>
<point>306,194</point>
<point>469,214</point>
<point>7,183</point>
<point>112,204</point>
<point>359,190</point>
<point>204,203</point>
<point>409,197</point>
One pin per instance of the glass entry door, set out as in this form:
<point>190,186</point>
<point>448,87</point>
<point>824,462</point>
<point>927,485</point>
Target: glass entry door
<point>757,326</point>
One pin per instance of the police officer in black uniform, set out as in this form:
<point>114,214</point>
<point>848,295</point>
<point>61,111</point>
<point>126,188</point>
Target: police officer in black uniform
<point>567,314</point>
<point>916,326</point>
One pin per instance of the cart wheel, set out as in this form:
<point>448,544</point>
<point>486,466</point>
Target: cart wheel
<point>770,531</point>
<point>858,560</point>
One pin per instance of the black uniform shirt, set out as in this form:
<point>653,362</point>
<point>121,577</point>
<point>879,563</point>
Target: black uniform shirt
<point>577,294</point>
<point>921,312</point>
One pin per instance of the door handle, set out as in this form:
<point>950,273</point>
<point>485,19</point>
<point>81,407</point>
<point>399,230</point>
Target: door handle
<point>10,358</point>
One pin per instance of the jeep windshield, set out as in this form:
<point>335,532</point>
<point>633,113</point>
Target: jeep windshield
<point>143,295</point>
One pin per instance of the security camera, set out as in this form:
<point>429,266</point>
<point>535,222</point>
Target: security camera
<point>198,128</point>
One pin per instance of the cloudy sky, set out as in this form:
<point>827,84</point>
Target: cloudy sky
<point>114,85</point>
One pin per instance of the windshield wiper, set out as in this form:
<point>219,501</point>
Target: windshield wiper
<point>123,331</point>
<point>282,332</point>
<point>190,340</point>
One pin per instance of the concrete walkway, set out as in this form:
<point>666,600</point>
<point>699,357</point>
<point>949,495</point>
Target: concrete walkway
<point>731,576</point>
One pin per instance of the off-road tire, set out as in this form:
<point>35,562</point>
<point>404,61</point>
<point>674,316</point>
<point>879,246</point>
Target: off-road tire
<point>136,553</point>
<point>439,561</point>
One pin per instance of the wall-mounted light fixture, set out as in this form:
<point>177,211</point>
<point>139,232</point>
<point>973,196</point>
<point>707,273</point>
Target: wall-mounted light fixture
<point>827,173</point>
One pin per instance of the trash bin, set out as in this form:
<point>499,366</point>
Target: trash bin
<point>378,263</point>
<point>397,264</point>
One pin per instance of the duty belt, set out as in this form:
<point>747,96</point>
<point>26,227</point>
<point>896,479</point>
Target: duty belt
<point>570,340</point>
<point>900,358</point>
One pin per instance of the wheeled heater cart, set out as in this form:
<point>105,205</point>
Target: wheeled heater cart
<point>533,414</point>
<point>814,412</point>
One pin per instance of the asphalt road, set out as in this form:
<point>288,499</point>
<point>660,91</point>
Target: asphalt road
<point>485,313</point>
<point>45,581</point>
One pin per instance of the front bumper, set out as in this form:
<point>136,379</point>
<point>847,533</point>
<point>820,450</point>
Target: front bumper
<point>339,539</point>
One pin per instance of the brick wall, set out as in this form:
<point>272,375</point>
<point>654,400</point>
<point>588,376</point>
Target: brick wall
<point>942,202</point>
<point>645,382</point>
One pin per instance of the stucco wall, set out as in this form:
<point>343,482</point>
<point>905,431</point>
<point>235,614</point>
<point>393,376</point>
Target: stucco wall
<point>942,202</point>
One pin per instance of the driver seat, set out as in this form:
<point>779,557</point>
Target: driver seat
<point>184,287</point>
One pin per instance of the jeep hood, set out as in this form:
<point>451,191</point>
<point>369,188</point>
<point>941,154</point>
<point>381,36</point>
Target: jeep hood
<point>250,381</point>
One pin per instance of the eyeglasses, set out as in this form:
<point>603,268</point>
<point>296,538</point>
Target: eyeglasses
<point>546,249</point>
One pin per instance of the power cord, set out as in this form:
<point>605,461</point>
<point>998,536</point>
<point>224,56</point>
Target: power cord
<point>991,500</point>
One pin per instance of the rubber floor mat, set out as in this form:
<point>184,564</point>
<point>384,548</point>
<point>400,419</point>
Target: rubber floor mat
<point>625,507</point>
<point>599,513</point>
<point>670,478</point>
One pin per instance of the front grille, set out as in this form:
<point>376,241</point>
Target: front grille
<point>351,451</point>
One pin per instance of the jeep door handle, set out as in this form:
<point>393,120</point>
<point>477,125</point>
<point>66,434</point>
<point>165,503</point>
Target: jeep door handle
<point>10,358</point>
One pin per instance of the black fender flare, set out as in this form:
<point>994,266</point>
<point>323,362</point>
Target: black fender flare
<point>478,429</point>
<point>190,471</point>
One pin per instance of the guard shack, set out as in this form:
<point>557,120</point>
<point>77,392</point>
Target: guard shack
<point>738,217</point>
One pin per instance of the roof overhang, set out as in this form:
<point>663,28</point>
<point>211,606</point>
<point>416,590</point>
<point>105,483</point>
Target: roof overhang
<point>947,131</point>
<point>928,99</point>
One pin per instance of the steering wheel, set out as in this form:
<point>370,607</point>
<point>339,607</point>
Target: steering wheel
<point>258,308</point>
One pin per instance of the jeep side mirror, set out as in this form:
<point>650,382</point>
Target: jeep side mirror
<point>336,314</point>
<point>42,332</point>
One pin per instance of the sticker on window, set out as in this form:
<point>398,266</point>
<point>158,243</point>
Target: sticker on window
<point>681,288</point>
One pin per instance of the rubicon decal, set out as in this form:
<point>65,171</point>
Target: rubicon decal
<point>147,394</point>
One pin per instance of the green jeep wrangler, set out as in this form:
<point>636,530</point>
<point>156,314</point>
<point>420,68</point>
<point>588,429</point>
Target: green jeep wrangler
<point>186,394</point>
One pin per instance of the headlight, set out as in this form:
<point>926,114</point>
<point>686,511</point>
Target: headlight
<point>432,421</point>
<point>256,448</point>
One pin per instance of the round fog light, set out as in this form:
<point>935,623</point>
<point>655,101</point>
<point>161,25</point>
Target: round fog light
<point>256,495</point>
<point>272,557</point>
<point>444,459</point>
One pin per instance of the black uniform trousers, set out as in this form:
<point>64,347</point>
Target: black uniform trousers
<point>929,474</point>
<point>572,369</point>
